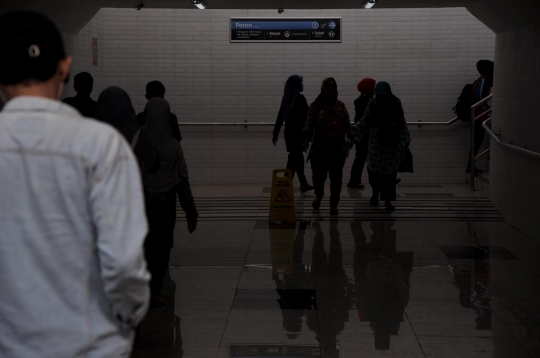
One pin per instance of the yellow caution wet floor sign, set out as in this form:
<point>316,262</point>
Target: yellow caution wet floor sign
<point>282,207</point>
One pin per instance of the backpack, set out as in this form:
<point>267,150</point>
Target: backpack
<point>463,105</point>
<point>334,129</point>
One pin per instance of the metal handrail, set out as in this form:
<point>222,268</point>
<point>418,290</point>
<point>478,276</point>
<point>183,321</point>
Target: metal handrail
<point>507,145</point>
<point>271,124</point>
<point>472,156</point>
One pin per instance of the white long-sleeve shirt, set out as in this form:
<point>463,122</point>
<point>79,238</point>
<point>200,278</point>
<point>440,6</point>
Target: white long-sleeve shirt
<point>73,280</point>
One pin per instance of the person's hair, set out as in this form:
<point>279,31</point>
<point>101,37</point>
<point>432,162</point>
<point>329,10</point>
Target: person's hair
<point>155,89</point>
<point>31,47</point>
<point>83,82</point>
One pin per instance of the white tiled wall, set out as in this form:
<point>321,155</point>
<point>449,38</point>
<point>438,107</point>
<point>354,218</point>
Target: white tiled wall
<point>515,177</point>
<point>80,47</point>
<point>428,55</point>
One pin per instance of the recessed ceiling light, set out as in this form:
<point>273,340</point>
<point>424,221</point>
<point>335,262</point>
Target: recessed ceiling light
<point>369,4</point>
<point>199,4</point>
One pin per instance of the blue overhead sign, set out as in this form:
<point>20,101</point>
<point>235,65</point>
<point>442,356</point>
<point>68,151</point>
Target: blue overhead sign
<point>286,30</point>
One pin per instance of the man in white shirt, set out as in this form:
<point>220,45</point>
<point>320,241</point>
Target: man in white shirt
<point>73,280</point>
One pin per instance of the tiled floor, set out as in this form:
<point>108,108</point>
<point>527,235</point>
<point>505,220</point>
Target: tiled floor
<point>348,288</point>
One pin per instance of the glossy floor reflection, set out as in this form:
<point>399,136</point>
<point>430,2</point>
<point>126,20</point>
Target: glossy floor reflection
<point>348,289</point>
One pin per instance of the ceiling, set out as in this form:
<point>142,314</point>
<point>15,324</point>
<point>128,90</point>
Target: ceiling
<point>72,15</point>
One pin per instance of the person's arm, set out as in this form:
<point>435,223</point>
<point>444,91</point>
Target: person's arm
<point>174,127</point>
<point>279,123</point>
<point>404,134</point>
<point>362,127</point>
<point>358,113</point>
<point>188,203</point>
<point>309,125</point>
<point>118,216</point>
<point>350,129</point>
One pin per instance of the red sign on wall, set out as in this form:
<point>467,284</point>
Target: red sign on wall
<point>94,52</point>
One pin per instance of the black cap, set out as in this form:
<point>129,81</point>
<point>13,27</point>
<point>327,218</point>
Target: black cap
<point>31,47</point>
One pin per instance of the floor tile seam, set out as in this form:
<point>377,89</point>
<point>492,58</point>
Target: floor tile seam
<point>412,328</point>
<point>236,290</point>
<point>512,333</point>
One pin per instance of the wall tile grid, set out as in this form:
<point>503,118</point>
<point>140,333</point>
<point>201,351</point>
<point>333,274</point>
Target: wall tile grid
<point>427,55</point>
<point>515,177</point>
<point>80,47</point>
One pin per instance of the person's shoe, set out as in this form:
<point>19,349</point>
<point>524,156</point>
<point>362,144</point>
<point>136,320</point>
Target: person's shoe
<point>398,181</point>
<point>355,186</point>
<point>389,207</point>
<point>316,204</point>
<point>306,187</point>
<point>476,170</point>
<point>334,210</point>
<point>374,201</point>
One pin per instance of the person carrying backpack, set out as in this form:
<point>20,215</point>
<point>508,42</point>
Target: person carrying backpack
<point>328,128</point>
<point>480,90</point>
<point>389,140</point>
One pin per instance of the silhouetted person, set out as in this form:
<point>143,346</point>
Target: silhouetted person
<point>161,189</point>
<point>83,85</point>
<point>293,112</point>
<point>366,87</point>
<point>389,138</point>
<point>328,128</point>
<point>72,224</point>
<point>115,108</point>
<point>481,89</point>
<point>156,89</point>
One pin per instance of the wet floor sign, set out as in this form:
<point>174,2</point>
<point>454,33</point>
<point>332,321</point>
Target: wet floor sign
<point>282,208</point>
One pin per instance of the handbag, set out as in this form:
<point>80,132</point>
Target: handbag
<point>406,165</point>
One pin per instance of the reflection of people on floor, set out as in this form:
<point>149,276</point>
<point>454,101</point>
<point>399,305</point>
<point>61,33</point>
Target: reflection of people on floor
<point>159,334</point>
<point>295,294</point>
<point>330,283</point>
<point>472,277</point>
<point>382,284</point>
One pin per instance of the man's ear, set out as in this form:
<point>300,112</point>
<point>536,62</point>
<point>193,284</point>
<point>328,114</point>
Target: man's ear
<point>63,68</point>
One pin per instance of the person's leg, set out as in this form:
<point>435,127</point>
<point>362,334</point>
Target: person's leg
<point>388,190</point>
<point>320,173</point>
<point>296,163</point>
<point>161,212</point>
<point>479,134</point>
<point>291,163</point>
<point>375,186</point>
<point>356,170</point>
<point>336,164</point>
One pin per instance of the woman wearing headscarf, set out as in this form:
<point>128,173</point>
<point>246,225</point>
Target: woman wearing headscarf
<point>328,128</point>
<point>161,189</point>
<point>115,108</point>
<point>384,121</point>
<point>293,112</point>
<point>366,87</point>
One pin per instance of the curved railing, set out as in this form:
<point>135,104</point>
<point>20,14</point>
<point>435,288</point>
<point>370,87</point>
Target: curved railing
<point>508,145</point>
